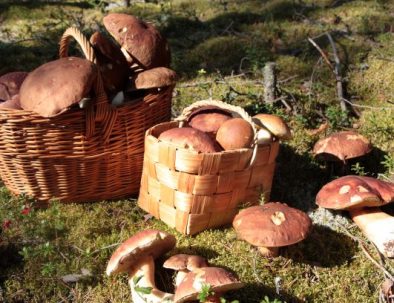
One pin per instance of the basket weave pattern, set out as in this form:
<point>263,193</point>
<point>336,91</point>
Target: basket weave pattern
<point>80,155</point>
<point>193,191</point>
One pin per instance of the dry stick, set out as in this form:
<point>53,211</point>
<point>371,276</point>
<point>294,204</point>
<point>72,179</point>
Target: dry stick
<point>269,82</point>
<point>322,53</point>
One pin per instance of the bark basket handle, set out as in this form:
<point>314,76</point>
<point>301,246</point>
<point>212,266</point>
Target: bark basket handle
<point>236,111</point>
<point>101,110</point>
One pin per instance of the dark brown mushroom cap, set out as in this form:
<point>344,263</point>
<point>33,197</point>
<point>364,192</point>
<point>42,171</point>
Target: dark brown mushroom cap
<point>185,262</point>
<point>153,78</point>
<point>219,280</point>
<point>189,138</point>
<point>148,242</point>
<point>273,224</point>
<point>140,39</point>
<point>54,86</point>
<point>112,63</point>
<point>10,84</point>
<point>209,122</point>
<point>275,124</point>
<point>12,103</point>
<point>352,192</point>
<point>342,146</point>
<point>235,133</point>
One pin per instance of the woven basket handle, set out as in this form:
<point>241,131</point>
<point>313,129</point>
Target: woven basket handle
<point>104,112</point>
<point>235,110</point>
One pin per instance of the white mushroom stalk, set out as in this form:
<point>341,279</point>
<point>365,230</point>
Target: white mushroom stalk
<point>142,284</point>
<point>378,227</point>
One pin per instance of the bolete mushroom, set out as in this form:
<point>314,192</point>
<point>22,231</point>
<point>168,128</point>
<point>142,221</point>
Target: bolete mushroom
<point>10,84</point>
<point>235,133</point>
<point>13,103</point>
<point>136,256</point>
<point>141,42</point>
<point>341,146</point>
<point>270,124</point>
<point>57,85</point>
<point>112,63</point>
<point>189,138</point>
<point>209,119</point>
<point>217,279</point>
<point>361,196</point>
<point>152,78</point>
<point>271,226</point>
<point>183,264</point>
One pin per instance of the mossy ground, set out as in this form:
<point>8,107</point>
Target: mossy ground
<point>219,48</point>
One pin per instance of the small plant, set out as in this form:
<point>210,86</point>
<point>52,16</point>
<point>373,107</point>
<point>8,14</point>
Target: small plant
<point>205,292</point>
<point>268,300</point>
<point>358,169</point>
<point>140,289</point>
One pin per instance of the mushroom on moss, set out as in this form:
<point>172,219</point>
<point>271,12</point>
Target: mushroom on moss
<point>183,264</point>
<point>217,281</point>
<point>271,226</point>
<point>361,196</point>
<point>136,256</point>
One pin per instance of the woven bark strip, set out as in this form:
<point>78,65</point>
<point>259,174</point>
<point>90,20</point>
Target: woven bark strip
<point>193,191</point>
<point>67,159</point>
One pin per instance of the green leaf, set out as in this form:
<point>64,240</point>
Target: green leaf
<point>143,290</point>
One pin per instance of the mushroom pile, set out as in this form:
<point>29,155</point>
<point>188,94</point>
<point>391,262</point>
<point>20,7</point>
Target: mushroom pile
<point>210,129</point>
<point>362,196</point>
<point>137,254</point>
<point>135,63</point>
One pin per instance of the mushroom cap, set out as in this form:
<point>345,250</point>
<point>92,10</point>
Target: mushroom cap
<point>219,279</point>
<point>273,224</point>
<point>153,78</point>
<point>350,192</point>
<point>209,121</point>
<point>54,86</point>
<point>235,133</point>
<point>275,124</point>
<point>10,84</point>
<point>148,242</point>
<point>140,39</point>
<point>185,262</point>
<point>13,103</point>
<point>189,138</point>
<point>111,61</point>
<point>342,146</point>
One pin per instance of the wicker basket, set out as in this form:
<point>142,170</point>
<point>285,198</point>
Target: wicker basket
<point>195,191</point>
<point>80,155</point>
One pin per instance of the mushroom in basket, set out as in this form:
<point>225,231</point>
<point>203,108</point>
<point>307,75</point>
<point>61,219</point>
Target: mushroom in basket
<point>55,86</point>
<point>136,257</point>
<point>10,84</point>
<point>270,127</point>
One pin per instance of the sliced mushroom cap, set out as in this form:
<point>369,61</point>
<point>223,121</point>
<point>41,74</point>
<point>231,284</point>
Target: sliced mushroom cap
<point>351,192</point>
<point>153,78</point>
<point>145,243</point>
<point>142,41</point>
<point>342,146</point>
<point>10,84</point>
<point>219,280</point>
<point>189,138</point>
<point>235,133</point>
<point>273,225</point>
<point>112,63</point>
<point>275,124</point>
<point>55,86</point>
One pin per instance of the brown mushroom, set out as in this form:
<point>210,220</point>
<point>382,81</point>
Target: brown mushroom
<point>112,63</point>
<point>356,193</point>
<point>274,124</point>
<point>209,119</point>
<point>189,138</point>
<point>10,84</point>
<point>136,256</point>
<point>141,42</point>
<point>57,85</point>
<point>217,279</point>
<point>342,146</point>
<point>235,133</point>
<point>183,264</point>
<point>13,103</point>
<point>152,78</point>
<point>271,226</point>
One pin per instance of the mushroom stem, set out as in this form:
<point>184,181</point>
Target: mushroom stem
<point>144,275</point>
<point>378,227</point>
<point>180,276</point>
<point>269,252</point>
